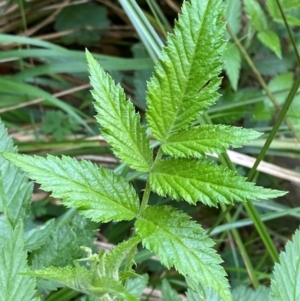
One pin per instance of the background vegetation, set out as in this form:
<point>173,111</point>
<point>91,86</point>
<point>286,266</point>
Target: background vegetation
<point>47,107</point>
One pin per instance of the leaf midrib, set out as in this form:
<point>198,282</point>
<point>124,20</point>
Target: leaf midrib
<point>186,82</point>
<point>129,133</point>
<point>188,250</point>
<point>81,185</point>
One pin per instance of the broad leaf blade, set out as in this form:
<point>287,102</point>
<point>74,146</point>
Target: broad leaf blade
<point>185,79</point>
<point>285,284</point>
<point>194,181</point>
<point>94,191</point>
<point>121,125</point>
<point>182,243</point>
<point>15,190</point>
<point>197,141</point>
<point>13,262</point>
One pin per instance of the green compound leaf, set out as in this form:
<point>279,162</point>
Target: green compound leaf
<point>121,125</point>
<point>182,243</point>
<point>95,192</point>
<point>195,180</point>
<point>197,141</point>
<point>285,284</point>
<point>13,262</point>
<point>185,79</point>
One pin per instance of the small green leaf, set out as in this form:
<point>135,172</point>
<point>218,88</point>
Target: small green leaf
<point>13,262</point>
<point>232,64</point>
<point>256,15</point>
<point>116,256</point>
<point>135,286</point>
<point>194,181</point>
<point>121,125</point>
<point>285,284</point>
<point>182,243</point>
<point>59,124</point>
<point>242,293</point>
<point>94,191</point>
<point>197,141</point>
<point>185,80</point>
<point>270,39</point>
<point>168,293</point>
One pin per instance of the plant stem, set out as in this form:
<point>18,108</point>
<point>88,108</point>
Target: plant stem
<point>145,198</point>
<point>147,190</point>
